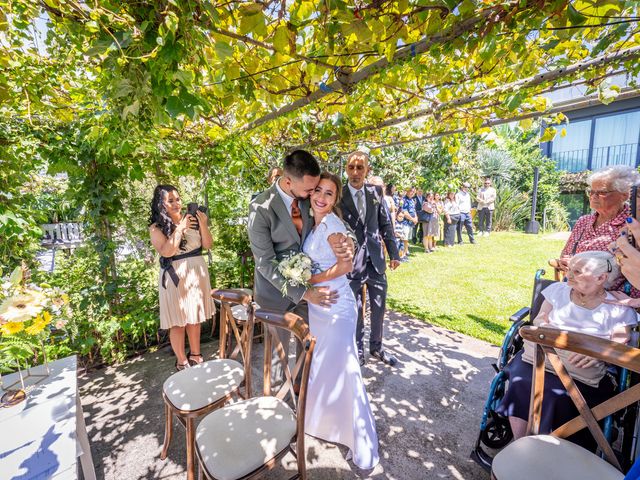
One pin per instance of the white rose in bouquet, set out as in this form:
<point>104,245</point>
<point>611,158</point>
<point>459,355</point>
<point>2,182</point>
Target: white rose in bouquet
<point>296,269</point>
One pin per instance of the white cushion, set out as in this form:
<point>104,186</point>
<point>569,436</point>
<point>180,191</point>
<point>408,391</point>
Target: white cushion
<point>237,439</point>
<point>196,387</point>
<point>239,312</point>
<point>543,457</point>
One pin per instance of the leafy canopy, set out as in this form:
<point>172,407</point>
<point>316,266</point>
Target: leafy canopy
<point>290,72</point>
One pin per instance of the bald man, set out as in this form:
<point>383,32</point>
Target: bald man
<point>365,211</point>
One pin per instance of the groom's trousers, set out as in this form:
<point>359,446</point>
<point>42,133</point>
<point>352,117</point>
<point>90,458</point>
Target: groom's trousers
<point>277,373</point>
<point>377,294</point>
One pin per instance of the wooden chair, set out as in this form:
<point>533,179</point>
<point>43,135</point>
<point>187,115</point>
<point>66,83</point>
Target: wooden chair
<point>551,457</point>
<point>196,391</point>
<point>241,440</point>
<point>558,273</point>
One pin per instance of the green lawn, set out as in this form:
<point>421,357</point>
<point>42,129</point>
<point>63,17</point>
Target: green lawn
<point>472,289</point>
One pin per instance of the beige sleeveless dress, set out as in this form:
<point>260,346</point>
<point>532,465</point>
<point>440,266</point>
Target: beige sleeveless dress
<point>190,302</point>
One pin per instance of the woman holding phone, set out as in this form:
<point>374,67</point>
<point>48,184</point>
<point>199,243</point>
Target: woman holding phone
<point>184,285</point>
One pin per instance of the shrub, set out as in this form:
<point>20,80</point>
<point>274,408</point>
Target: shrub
<point>513,208</point>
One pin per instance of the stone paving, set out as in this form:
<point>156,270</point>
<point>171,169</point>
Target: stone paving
<point>427,411</point>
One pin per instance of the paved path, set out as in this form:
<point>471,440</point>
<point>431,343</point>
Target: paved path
<point>427,411</point>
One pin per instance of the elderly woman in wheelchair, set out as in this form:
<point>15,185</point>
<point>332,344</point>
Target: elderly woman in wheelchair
<point>579,305</point>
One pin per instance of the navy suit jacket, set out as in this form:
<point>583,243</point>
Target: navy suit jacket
<point>370,234</point>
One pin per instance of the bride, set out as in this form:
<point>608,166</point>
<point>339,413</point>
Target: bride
<point>337,405</point>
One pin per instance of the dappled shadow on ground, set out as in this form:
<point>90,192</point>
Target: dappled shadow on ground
<point>427,411</point>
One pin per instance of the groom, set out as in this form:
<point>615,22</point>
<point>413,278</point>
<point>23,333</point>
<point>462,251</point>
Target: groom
<point>366,212</point>
<point>279,222</point>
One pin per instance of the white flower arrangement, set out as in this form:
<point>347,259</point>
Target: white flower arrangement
<point>296,268</point>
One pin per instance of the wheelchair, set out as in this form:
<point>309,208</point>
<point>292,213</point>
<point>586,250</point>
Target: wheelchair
<point>495,431</point>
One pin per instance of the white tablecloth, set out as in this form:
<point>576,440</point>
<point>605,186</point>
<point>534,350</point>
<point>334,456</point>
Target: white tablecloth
<point>44,436</point>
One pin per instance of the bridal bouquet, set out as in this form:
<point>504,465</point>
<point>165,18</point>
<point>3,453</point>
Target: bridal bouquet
<point>296,268</point>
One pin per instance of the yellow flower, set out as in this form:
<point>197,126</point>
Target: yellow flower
<point>39,324</point>
<point>10,328</point>
<point>22,307</point>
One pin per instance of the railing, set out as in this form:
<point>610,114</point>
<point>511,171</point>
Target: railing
<point>571,161</point>
<point>614,155</point>
<point>578,160</point>
<point>61,235</point>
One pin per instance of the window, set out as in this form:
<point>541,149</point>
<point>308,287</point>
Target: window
<point>615,140</point>
<point>571,152</point>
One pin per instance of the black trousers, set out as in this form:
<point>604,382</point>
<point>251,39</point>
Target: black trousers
<point>450,229</point>
<point>377,295</point>
<point>485,216</point>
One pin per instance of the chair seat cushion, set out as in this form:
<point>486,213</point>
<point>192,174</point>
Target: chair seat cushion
<point>550,458</point>
<point>239,438</point>
<point>239,312</point>
<point>197,387</point>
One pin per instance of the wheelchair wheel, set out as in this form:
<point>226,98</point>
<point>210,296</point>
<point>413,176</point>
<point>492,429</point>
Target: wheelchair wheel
<point>498,433</point>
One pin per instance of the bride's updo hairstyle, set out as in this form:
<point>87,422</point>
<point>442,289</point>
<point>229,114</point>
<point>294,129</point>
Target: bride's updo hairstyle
<point>338,183</point>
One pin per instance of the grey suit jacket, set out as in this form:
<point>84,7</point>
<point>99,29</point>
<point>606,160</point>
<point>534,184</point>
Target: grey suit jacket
<point>273,235</point>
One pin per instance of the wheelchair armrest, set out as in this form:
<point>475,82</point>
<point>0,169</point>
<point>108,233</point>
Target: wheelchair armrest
<point>520,314</point>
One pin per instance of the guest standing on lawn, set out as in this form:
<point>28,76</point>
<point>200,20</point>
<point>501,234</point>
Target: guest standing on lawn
<point>486,205</point>
<point>429,223</point>
<point>410,215</point>
<point>391,204</point>
<point>440,212</point>
<point>184,286</point>
<point>463,197</point>
<point>451,218</point>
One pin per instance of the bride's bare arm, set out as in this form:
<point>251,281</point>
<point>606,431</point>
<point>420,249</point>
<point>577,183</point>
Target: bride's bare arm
<point>341,267</point>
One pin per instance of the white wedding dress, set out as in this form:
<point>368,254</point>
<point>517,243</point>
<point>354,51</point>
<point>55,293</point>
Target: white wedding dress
<point>337,405</point>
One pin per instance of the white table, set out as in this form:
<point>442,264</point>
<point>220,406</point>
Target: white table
<point>44,436</point>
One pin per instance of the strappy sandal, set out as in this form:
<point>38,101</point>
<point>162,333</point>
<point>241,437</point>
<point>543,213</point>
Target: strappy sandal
<point>198,359</point>
<point>182,366</point>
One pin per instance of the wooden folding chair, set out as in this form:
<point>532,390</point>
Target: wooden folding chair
<point>558,273</point>
<point>242,440</point>
<point>551,457</point>
<point>196,391</point>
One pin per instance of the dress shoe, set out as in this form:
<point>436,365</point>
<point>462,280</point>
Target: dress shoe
<point>384,357</point>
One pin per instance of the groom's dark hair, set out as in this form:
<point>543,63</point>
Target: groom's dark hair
<point>300,163</point>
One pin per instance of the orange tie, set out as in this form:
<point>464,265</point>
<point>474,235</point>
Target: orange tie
<point>296,216</point>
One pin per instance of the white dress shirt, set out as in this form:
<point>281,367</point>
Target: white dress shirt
<point>286,198</point>
<point>464,201</point>
<point>355,200</point>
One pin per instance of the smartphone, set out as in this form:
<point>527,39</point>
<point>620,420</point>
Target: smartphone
<point>192,208</point>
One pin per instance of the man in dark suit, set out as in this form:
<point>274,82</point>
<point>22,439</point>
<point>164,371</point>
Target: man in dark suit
<point>365,211</point>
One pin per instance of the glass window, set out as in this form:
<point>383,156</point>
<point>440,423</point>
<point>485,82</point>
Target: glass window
<point>571,152</point>
<point>615,140</point>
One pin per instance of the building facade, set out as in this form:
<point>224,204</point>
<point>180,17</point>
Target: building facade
<point>596,136</point>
